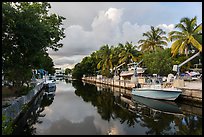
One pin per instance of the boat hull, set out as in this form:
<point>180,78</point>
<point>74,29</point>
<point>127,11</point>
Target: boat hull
<point>162,94</point>
<point>161,105</point>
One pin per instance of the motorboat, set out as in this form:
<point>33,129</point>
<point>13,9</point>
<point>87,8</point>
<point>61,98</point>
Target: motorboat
<point>156,91</point>
<point>50,84</point>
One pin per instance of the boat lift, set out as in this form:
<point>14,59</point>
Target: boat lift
<point>177,67</point>
<point>135,66</point>
<point>134,63</point>
<point>116,68</point>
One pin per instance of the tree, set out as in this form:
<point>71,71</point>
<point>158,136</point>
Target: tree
<point>88,66</point>
<point>188,37</point>
<point>128,54</point>
<point>76,73</point>
<point>105,63</point>
<point>68,71</point>
<point>27,32</point>
<point>154,40</point>
<point>42,60</point>
<point>159,62</point>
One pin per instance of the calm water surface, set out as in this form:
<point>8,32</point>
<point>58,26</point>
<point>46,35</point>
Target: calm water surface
<point>84,109</point>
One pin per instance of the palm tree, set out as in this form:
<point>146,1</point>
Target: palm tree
<point>190,34</point>
<point>155,39</point>
<point>128,53</point>
<point>105,63</point>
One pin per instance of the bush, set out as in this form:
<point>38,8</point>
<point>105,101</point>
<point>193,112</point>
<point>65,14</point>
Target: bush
<point>7,127</point>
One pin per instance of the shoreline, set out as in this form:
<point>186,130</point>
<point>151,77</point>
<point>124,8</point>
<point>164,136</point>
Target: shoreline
<point>188,92</point>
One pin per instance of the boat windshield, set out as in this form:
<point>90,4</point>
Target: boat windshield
<point>153,81</point>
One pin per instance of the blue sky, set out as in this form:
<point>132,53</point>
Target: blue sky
<point>89,25</point>
<point>183,9</point>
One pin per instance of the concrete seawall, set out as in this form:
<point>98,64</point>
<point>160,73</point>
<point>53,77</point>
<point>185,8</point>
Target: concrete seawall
<point>188,93</point>
<point>13,111</point>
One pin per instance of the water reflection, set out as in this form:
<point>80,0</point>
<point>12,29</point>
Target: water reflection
<point>64,127</point>
<point>157,116</point>
<point>24,125</point>
<point>163,106</point>
<point>82,108</point>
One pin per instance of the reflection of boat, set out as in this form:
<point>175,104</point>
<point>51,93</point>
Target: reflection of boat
<point>155,91</point>
<point>161,105</point>
<point>51,91</point>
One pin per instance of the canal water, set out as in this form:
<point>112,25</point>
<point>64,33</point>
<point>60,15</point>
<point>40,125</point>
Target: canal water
<point>79,108</point>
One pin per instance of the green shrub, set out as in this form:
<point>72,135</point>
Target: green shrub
<point>7,127</point>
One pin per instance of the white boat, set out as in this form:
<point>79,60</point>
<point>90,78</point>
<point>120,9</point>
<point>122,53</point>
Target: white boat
<point>134,72</point>
<point>50,84</point>
<point>155,91</point>
<point>131,71</point>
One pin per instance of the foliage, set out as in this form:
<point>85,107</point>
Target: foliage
<point>67,71</point>
<point>24,90</point>
<point>88,66</point>
<point>159,62</point>
<point>42,60</point>
<point>128,54</point>
<point>7,126</point>
<point>157,59</point>
<point>28,30</point>
<point>105,63</point>
<point>178,59</point>
<point>77,71</point>
<point>189,36</point>
<point>105,59</point>
<point>154,40</point>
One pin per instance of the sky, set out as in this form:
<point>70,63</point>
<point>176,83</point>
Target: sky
<point>90,25</point>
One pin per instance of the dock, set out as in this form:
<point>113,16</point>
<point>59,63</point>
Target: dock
<point>190,91</point>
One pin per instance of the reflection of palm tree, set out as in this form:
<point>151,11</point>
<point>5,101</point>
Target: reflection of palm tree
<point>157,125</point>
<point>111,107</point>
<point>190,125</point>
<point>122,112</point>
<point>105,103</point>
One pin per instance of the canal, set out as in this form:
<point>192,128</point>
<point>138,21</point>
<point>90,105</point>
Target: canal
<point>79,108</point>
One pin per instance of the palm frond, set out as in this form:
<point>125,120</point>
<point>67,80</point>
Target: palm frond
<point>195,43</point>
<point>198,29</point>
<point>181,26</point>
<point>182,46</point>
<point>99,65</point>
<point>175,46</point>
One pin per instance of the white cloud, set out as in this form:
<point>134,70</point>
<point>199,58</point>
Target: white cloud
<point>133,32</point>
<point>91,25</point>
<point>106,28</point>
<point>166,28</point>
